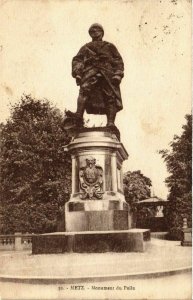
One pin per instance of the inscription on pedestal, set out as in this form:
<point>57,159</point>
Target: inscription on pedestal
<point>91,180</point>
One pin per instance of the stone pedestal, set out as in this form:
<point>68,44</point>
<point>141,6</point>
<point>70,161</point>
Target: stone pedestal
<point>186,234</point>
<point>135,240</point>
<point>187,237</point>
<point>97,217</point>
<point>18,244</point>
<point>97,201</point>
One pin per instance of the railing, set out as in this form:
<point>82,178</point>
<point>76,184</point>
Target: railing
<point>17,241</point>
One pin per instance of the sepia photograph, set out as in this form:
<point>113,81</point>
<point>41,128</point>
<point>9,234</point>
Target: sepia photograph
<point>95,149</point>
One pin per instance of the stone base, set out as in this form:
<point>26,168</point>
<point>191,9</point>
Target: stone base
<point>101,215</point>
<point>189,244</point>
<point>133,240</point>
<point>97,220</point>
<point>187,237</point>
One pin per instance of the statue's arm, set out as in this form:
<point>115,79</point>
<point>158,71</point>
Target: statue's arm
<point>78,64</point>
<point>118,64</point>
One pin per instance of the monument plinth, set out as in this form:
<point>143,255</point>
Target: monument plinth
<point>97,201</point>
<point>97,217</point>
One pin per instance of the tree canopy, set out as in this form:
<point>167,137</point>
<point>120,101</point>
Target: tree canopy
<point>136,187</point>
<point>35,171</point>
<point>178,160</point>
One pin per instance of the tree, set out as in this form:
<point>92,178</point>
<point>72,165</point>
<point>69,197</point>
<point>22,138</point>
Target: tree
<point>35,171</point>
<point>136,187</point>
<point>179,164</point>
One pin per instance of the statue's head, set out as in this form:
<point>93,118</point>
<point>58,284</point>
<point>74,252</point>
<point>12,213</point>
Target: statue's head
<point>96,31</point>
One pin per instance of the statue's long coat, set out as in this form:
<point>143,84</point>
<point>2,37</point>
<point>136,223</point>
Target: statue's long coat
<point>93,58</point>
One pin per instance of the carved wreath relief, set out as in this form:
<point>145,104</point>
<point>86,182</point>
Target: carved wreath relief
<point>91,180</point>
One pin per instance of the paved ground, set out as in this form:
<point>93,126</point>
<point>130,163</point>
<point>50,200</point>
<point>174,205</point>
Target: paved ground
<point>161,255</point>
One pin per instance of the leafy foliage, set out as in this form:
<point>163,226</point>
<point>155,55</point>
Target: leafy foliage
<point>35,170</point>
<point>136,187</point>
<point>179,164</point>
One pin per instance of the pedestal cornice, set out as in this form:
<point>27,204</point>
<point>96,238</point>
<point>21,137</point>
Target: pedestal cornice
<point>96,138</point>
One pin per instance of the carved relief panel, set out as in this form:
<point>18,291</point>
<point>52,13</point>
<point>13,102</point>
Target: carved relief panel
<point>91,180</point>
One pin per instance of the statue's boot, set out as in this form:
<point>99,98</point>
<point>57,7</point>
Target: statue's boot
<point>78,115</point>
<point>80,110</point>
<point>111,114</point>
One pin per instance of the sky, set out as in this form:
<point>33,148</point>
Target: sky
<point>38,40</point>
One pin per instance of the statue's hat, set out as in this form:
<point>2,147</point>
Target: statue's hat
<point>96,25</point>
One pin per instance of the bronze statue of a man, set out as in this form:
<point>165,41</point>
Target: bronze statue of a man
<point>98,69</point>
